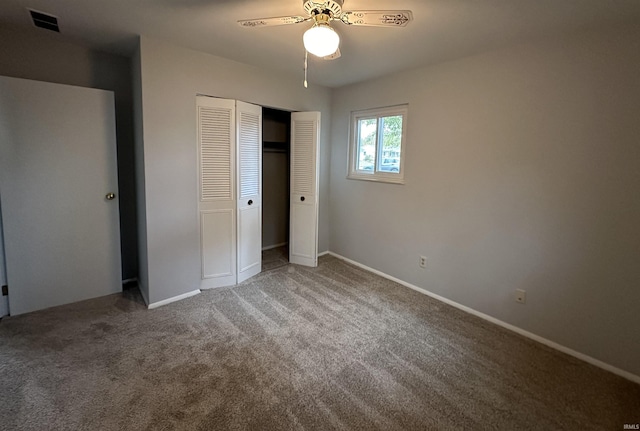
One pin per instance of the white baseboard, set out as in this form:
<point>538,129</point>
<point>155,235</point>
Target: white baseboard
<point>324,253</point>
<point>593,361</point>
<point>130,280</point>
<point>269,247</point>
<point>174,299</point>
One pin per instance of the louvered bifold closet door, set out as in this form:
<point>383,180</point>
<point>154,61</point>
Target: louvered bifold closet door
<point>216,178</point>
<point>303,229</point>
<point>249,152</point>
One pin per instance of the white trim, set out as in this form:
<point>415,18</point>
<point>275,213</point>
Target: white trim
<point>324,253</point>
<point>269,247</point>
<point>598,363</point>
<point>174,299</point>
<point>130,280</point>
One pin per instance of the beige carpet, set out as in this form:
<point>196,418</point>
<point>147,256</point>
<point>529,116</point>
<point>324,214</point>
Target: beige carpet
<point>332,347</point>
<point>275,258</point>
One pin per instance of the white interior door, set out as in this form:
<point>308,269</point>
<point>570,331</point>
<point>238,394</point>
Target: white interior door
<point>249,205</point>
<point>303,230</point>
<point>57,164</point>
<point>216,179</point>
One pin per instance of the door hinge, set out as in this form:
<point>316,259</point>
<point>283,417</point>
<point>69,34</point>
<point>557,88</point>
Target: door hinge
<point>5,290</point>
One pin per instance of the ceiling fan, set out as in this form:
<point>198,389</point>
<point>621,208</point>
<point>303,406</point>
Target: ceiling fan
<point>321,39</point>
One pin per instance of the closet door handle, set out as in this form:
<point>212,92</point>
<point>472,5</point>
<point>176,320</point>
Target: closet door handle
<point>302,198</point>
<point>250,202</point>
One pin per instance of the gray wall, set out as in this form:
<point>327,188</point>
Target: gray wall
<point>3,271</point>
<point>275,198</point>
<point>4,303</point>
<point>141,208</point>
<point>275,187</point>
<point>522,171</point>
<point>45,56</point>
<point>171,77</point>
<point>274,131</point>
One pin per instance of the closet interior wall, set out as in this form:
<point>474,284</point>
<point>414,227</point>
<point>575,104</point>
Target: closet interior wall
<point>276,127</point>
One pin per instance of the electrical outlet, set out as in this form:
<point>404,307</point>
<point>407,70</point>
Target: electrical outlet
<point>521,296</point>
<point>422,262</point>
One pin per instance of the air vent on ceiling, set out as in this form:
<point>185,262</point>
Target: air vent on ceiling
<point>45,21</point>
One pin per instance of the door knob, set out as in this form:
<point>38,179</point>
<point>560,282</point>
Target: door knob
<point>110,196</point>
<point>250,202</point>
<point>302,198</point>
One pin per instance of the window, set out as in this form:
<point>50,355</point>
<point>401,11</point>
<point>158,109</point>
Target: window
<point>376,144</point>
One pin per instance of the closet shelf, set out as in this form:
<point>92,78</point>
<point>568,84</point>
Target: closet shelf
<point>275,147</point>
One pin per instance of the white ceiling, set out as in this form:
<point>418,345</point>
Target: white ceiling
<point>442,29</point>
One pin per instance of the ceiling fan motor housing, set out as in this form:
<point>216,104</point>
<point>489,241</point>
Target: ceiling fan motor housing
<point>329,7</point>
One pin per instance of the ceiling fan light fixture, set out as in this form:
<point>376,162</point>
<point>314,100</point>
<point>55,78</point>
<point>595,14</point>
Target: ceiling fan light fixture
<point>321,40</point>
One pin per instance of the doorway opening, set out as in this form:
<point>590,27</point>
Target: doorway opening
<point>276,150</point>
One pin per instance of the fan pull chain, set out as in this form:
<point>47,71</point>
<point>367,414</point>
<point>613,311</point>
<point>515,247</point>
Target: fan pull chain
<point>306,54</point>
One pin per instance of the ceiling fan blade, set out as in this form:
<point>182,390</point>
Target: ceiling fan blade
<point>377,18</point>
<point>333,56</point>
<point>267,22</point>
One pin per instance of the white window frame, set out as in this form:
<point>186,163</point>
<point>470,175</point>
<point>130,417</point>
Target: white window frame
<point>375,175</point>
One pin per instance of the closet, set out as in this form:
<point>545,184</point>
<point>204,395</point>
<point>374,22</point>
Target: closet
<point>230,189</point>
<point>276,133</point>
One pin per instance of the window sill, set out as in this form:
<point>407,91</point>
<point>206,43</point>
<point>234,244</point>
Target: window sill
<point>378,178</point>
